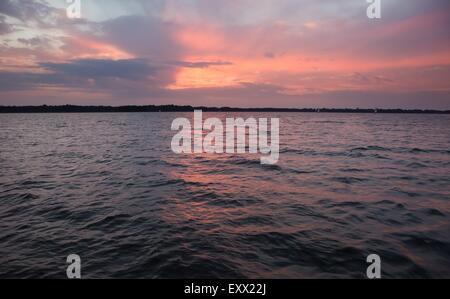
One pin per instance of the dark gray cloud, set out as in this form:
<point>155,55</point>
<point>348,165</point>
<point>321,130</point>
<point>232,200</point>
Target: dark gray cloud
<point>105,75</point>
<point>26,10</point>
<point>87,73</point>
<point>143,36</point>
<point>10,8</point>
<point>131,69</point>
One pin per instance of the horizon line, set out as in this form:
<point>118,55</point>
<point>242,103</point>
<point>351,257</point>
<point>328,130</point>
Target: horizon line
<point>68,108</point>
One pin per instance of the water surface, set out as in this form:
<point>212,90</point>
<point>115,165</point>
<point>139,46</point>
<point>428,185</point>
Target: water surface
<point>108,188</point>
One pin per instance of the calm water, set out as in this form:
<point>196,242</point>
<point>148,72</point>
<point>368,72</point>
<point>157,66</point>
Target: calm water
<point>108,188</point>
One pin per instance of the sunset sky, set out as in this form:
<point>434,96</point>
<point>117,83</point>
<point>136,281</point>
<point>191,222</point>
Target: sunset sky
<point>245,53</point>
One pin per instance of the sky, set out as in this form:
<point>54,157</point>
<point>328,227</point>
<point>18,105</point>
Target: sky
<point>239,53</point>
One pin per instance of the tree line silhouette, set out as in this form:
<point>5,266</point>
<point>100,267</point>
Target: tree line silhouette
<point>176,108</point>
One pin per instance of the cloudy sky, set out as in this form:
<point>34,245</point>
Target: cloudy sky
<point>246,53</point>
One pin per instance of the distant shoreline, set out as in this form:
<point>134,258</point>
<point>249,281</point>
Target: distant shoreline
<point>175,108</point>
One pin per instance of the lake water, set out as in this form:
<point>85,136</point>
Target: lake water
<point>108,188</point>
